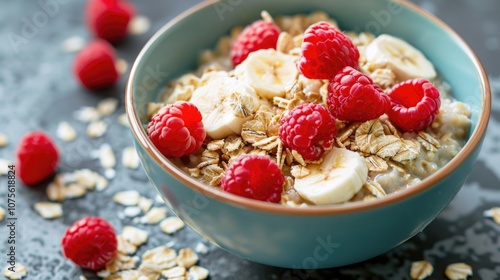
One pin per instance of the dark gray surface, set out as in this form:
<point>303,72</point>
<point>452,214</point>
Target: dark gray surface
<point>37,91</point>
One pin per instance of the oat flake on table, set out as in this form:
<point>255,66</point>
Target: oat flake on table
<point>107,106</point>
<point>154,216</point>
<point>135,235</point>
<point>458,271</point>
<point>20,272</point>
<point>186,257</point>
<point>2,213</point>
<point>73,44</point>
<point>127,198</point>
<point>96,129</point>
<point>49,210</point>
<point>66,132</point>
<point>130,158</point>
<point>87,114</point>
<point>171,225</point>
<point>493,213</point>
<point>4,166</point>
<point>4,140</point>
<point>421,270</point>
<point>139,25</point>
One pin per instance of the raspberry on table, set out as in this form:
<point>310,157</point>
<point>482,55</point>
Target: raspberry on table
<point>109,19</point>
<point>37,158</point>
<point>95,67</point>
<point>414,104</point>
<point>309,129</point>
<point>262,34</point>
<point>177,129</point>
<point>326,51</point>
<point>352,96</point>
<point>254,176</point>
<point>90,243</point>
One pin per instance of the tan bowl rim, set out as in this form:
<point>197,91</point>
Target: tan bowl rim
<point>353,207</point>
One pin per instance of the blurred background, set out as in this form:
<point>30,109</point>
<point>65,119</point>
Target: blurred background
<point>38,91</point>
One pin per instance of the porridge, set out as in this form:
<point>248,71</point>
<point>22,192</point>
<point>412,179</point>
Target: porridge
<point>287,102</point>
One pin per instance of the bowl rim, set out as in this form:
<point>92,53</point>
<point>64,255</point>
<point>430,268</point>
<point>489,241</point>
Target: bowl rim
<point>353,207</point>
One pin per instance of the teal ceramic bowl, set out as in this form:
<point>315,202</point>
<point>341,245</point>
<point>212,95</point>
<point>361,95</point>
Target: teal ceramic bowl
<point>316,237</point>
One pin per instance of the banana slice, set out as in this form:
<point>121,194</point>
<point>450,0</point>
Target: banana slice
<point>341,174</point>
<point>402,58</point>
<point>225,104</point>
<point>269,72</point>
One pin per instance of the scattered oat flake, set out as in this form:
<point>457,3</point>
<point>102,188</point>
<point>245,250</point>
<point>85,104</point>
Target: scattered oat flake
<point>73,44</point>
<point>127,198</point>
<point>145,204</point>
<point>201,248</point>
<point>121,66</point>
<point>2,214</point>
<point>124,246</point>
<point>82,277</point>
<point>4,166</point>
<point>132,211</point>
<point>458,271</point>
<point>102,183</point>
<point>493,213</point>
<point>186,257</point>
<point>110,173</point>
<point>171,225</point>
<point>135,235</point>
<point>107,156</point>
<point>120,262</point>
<point>173,272</point>
<point>162,256</point>
<point>107,106</point>
<point>19,272</point>
<point>198,272</point>
<point>86,177</point>
<point>130,159</point>
<point>4,140</point>
<point>74,191</point>
<point>96,129</point>
<point>139,25</point>
<point>154,216</point>
<point>150,270</point>
<point>123,120</point>
<point>87,114</point>
<point>124,275</point>
<point>421,270</point>
<point>49,210</point>
<point>66,132</point>
<point>55,191</point>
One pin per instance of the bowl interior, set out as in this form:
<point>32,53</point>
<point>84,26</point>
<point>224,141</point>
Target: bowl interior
<point>175,49</point>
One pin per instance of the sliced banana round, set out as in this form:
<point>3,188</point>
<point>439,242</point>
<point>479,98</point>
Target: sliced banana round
<point>225,104</point>
<point>341,174</point>
<point>402,58</point>
<point>269,72</point>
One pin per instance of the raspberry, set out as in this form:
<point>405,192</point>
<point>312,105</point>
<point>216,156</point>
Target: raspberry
<point>255,177</point>
<point>325,51</point>
<point>309,129</point>
<point>95,66</point>
<point>262,34</point>
<point>352,96</point>
<point>414,104</point>
<point>177,129</point>
<point>37,158</point>
<point>90,243</point>
<point>109,19</point>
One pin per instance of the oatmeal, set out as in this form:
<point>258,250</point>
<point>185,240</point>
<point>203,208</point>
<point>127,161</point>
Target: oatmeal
<point>404,128</point>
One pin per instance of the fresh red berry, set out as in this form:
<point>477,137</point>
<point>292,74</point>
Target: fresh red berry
<point>352,96</point>
<point>326,51</point>
<point>95,66</point>
<point>309,129</point>
<point>254,176</point>
<point>90,243</point>
<point>262,34</point>
<point>414,104</point>
<point>37,158</point>
<point>177,129</point>
<point>109,19</point>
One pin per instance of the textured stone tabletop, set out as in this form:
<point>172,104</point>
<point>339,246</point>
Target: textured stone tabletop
<point>37,92</point>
